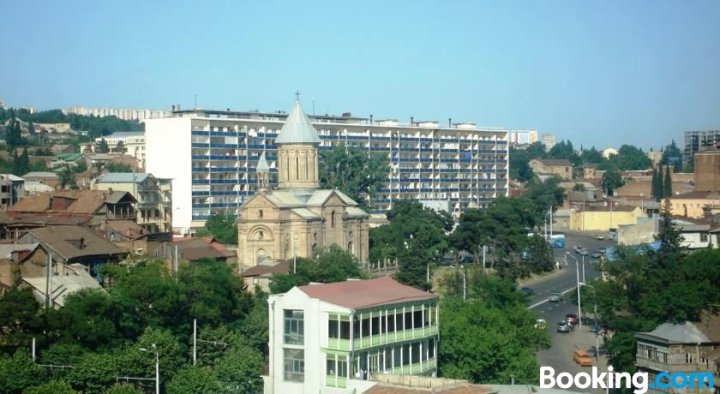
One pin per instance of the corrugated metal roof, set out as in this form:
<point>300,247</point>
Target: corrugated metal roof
<point>122,177</point>
<point>361,294</point>
<point>297,128</point>
<point>686,332</point>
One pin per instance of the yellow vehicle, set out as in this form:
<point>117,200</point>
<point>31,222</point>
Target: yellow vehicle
<point>582,358</point>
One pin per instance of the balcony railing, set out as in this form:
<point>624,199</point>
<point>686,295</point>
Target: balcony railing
<point>382,339</point>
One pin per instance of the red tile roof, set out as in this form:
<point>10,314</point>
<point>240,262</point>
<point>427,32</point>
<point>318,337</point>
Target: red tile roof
<point>360,294</point>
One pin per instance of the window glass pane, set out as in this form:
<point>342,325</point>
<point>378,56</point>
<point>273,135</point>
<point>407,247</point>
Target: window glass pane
<point>294,364</point>
<point>294,327</point>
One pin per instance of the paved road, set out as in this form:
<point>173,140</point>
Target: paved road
<point>559,355</point>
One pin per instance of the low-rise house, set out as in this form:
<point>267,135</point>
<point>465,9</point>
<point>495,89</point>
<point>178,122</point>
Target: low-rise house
<point>261,274</point>
<point>355,329</point>
<point>12,189</point>
<point>75,245</point>
<point>194,249</point>
<point>546,168</point>
<point>26,265</point>
<point>131,143</point>
<point>692,205</point>
<point>153,195</point>
<point>45,177</point>
<point>68,160</point>
<point>685,347</point>
<point>92,208</point>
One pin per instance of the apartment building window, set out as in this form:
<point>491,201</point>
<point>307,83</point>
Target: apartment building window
<point>689,358</point>
<point>294,327</point>
<point>294,362</point>
<point>703,237</point>
<point>339,328</point>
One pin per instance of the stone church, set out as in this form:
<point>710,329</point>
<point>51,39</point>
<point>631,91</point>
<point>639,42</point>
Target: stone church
<point>297,218</point>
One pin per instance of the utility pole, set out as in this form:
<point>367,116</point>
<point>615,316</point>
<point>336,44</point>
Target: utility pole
<point>194,341</point>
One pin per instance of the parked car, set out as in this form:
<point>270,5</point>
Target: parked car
<point>600,237</point>
<point>602,250</point>
<point>571,318</point>
<point>555,297</point>
<point>596,255</point>
<point>563,327</point>
<point>527,291</point>
<point>584,252</point>
<point>577,249</point>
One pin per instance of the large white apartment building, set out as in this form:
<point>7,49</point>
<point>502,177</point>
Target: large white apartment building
<point>333,338</point>
<point>122,113</point>
<point>211,157</point>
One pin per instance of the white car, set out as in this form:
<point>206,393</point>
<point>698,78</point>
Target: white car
<point>600,237</point>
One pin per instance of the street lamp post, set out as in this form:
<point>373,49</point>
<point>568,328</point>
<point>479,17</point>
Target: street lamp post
<point>597,344</point>
<point>583,270</point>
<point>157,366</point>
<point>577,273</point>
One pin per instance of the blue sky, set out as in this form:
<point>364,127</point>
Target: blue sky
<point>599,73</point>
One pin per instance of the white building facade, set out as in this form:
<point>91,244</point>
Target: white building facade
<point>211,157</point>
<point>122,113</point>
<point>132,142</point>
<point>333,338</point>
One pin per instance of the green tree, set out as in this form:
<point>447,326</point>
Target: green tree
<point>667,184</point>
<point>611,181</point>
<point>51,387</point>
<point>67,178</point>
<point>19,318</point>
<point>118,167</point>
<point>18,372</point>
<point>490,337</point>
<point>123,388</point>
<point>102,146</point>
<point>628,158</point>
<point>88,318</point>
<point>95,372</point>
<point>330,264</point>
<point>656,188</point>
<point>672,155</point>
<point>222,227</point>
<point>80,167</point>
<point>195,380</point>
<point>21,164</point>
<point>519,164</point>
<point>356,172</point>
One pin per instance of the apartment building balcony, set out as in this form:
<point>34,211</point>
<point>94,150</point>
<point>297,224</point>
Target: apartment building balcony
<point>422,368</point>
<point>357,344</point>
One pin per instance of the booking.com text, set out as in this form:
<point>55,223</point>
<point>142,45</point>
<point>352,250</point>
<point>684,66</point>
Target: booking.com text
<point>639,381</point>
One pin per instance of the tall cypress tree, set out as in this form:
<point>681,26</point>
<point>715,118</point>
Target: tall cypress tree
<point>667,184</point>
<point>655,186</point>
<point>661,189</point>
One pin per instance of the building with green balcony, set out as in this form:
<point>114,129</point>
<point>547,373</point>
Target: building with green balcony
<point>333,338</point>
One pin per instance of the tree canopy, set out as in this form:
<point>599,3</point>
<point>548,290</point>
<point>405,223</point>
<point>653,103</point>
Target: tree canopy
<point>356,172</point>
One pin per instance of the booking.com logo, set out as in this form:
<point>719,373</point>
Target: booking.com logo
<point>639,381</point>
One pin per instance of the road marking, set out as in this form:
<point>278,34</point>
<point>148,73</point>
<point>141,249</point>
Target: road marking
<point>546,300</point>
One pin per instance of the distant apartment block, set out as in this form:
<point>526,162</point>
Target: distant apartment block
<point>211,157</point>
<point>696,140</point>
<point>122,113</point>
<point>548,140</point>
<point>131,143</point>
<point>153,195</point>
<point>336,337</point>
<point>523,137</point>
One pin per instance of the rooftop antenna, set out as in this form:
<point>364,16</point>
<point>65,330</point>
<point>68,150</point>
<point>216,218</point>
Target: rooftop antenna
<point>297,95</point>
<point>195,101</point>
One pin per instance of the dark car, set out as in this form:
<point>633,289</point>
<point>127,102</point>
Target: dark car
<point>563,327</point>
<point>527,291</point>
<point>571,318</point>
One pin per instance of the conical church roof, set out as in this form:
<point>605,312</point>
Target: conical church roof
<point>297,129</point>
<point>262,165</point>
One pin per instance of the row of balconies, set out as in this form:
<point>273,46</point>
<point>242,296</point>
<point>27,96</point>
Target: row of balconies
<point>382,339</point>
